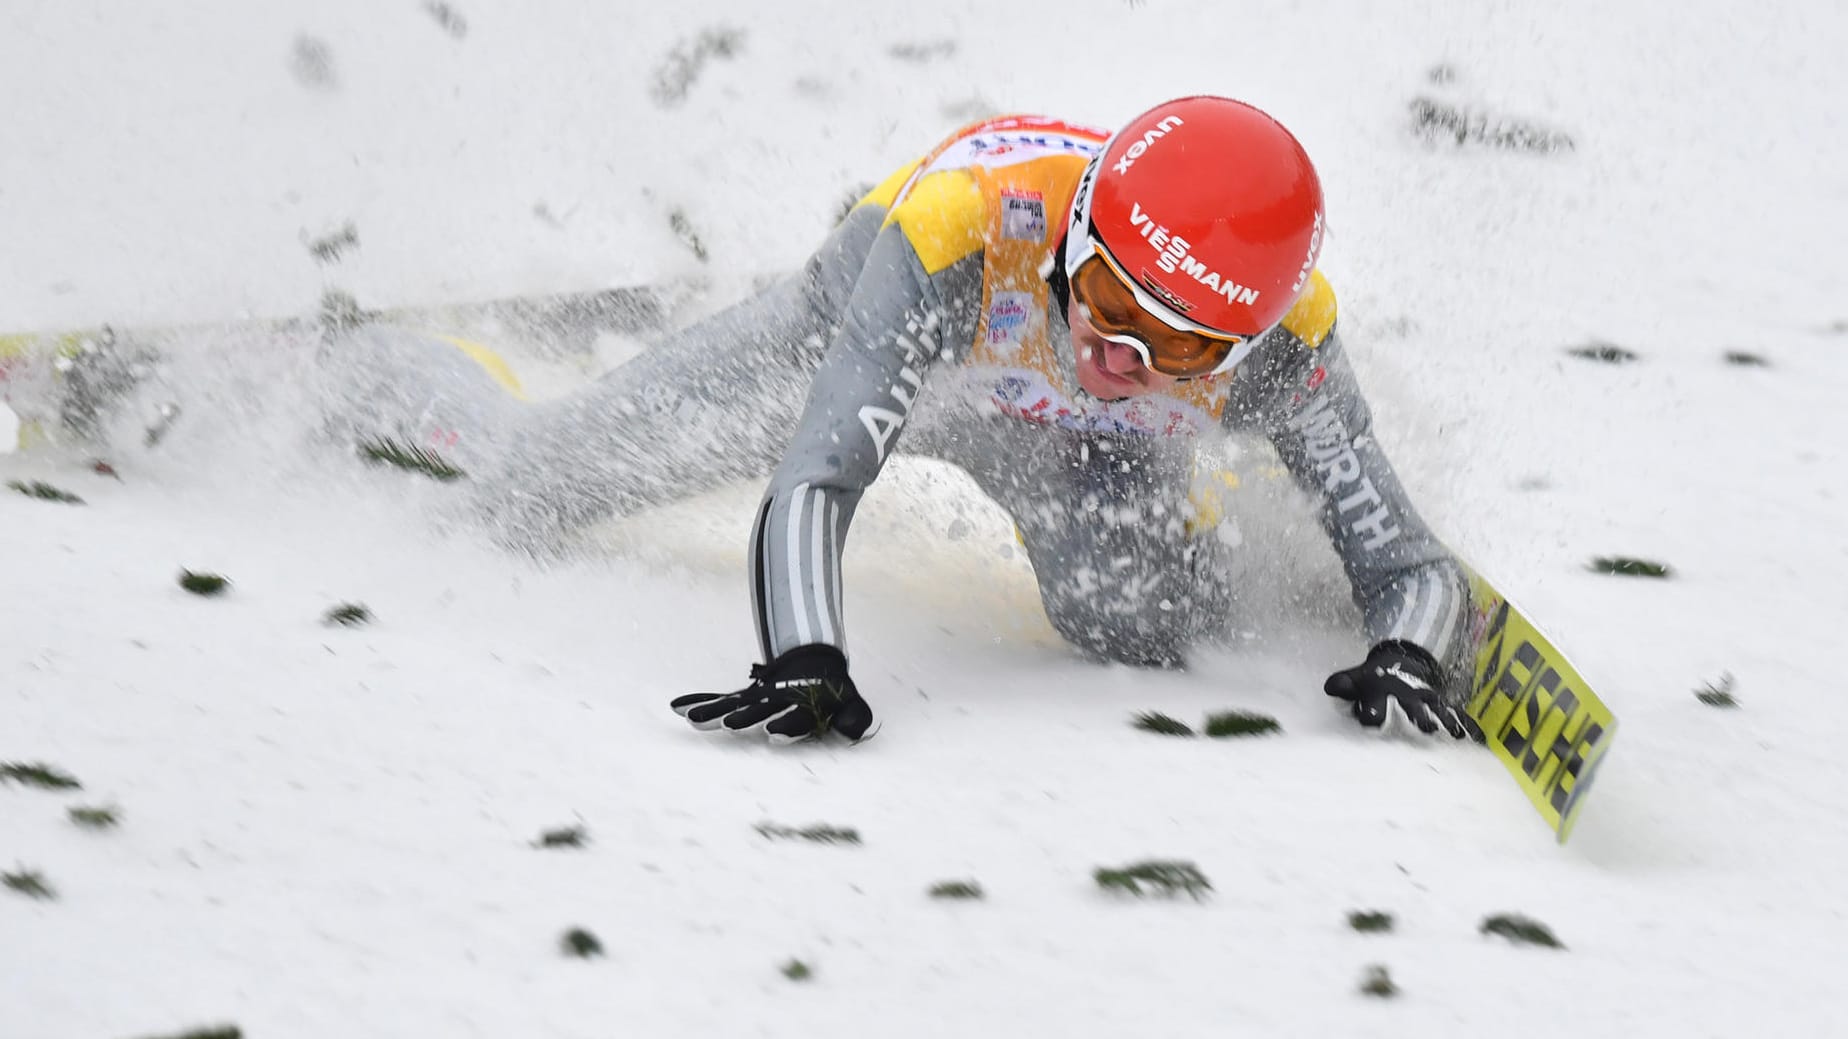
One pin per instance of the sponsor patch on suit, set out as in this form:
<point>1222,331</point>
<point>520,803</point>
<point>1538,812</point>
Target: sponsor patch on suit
<point>1023,215</point>
<point>1008,314</point>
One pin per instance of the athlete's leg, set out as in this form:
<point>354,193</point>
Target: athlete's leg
<point>686,415</point>
<point>383,383</point>
<point>714,402</point>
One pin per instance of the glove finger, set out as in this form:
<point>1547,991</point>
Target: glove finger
<point>761,713</point>
<point>1453,722</point>
<point>1398,722</point>
<point>792,726</point>
<point>1471,727</point>
<point>1423,714</point>
<point>1371,711</point>
<point>852,718</point>
<point>712,713</point>
<point>1341,684</point>
<point>682,704</point>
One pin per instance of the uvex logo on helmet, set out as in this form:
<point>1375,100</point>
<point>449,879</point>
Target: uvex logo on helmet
<point>1315,246</point>
<point>1222,194</point>
<point>1149,137</point>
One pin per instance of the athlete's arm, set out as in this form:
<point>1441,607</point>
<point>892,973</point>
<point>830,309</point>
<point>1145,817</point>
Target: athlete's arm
<point>1303,394</point>
<point>921,280</point>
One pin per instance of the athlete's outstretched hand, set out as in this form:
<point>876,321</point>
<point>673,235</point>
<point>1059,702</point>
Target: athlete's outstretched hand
<point>1399,688</point>
<point>801,694</point>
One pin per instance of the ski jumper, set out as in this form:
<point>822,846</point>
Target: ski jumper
<point>933,320</point>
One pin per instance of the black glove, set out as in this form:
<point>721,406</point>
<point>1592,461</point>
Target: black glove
<point>803,693</point>
<point>1401,683</point>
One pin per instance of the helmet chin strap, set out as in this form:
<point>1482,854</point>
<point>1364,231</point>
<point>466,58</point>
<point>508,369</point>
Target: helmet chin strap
<point>1078,216</point>
<point>1053,271</point>
<point>1057,268</point>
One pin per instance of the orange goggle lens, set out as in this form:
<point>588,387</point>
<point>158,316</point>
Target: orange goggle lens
<point>1114,312</point>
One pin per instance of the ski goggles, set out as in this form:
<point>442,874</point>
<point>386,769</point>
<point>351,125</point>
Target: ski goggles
<point>1123,312</point>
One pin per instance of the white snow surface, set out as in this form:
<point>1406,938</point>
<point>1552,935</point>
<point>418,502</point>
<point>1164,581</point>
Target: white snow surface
<point>329,831</point>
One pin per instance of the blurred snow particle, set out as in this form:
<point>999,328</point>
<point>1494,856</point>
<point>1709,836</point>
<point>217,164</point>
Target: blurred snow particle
<point>1442,74</point>
<point>850,199</point>
<point>1398,326</point>
<point>683,65</point>
<point>9,429</point>
<point>1604,353</point>
<point>1718,694</point>
<point>969,108</point>
<point>922,51</point>
<point>1377,982</point>
<point>683,230</point>
<point>448,17</point>
<point>811,86</point>
<point>612,350</point>
<point>1441,122</point>
<point>329,248</point>
<point>311,62</point>
<point>580,943</point>
<point>340,313</point>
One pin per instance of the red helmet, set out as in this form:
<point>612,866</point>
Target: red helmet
<point>1211,206</point>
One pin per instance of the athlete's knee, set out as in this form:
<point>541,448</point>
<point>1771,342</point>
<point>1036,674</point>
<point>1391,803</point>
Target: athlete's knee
<point>1139,618</point>
<point>1121,639</point>
<point>1144,606</point>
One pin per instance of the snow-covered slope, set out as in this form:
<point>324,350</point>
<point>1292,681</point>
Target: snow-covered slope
<point>329,831</point>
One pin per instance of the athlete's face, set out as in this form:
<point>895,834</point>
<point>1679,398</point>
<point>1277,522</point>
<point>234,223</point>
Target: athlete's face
<point>1107,370</point>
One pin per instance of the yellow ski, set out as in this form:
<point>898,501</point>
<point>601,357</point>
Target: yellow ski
<point>1540,716</point>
